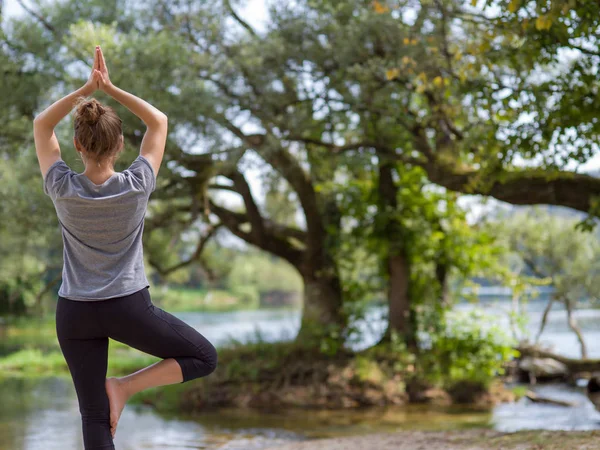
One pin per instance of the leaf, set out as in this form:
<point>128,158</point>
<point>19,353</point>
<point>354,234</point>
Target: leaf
<point>514,5</point>
<point>543,22</point>
<point>379,8</point>
<point>438,81</point>
<point>406,60</point>
<point>473,2</point>
<point>391,74</point>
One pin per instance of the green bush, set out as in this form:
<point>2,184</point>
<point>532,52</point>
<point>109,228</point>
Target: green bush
<point>32,360</point>
<point>248,296</point>
<point>472,347</point>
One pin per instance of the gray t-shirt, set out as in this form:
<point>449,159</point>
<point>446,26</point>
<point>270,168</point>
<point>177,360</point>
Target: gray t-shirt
<point>102,227</point>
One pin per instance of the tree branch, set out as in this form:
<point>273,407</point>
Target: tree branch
<point>284,163</point>
<point>238,19</point>
<point>194,258</point>
<point>524,187</point>
<point>254,215</point>
<point>278,241</point>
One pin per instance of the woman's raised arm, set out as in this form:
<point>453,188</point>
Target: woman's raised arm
<point>46,144</point>
<point>153,143</point>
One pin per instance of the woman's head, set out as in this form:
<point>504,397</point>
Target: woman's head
<point>98,132</point>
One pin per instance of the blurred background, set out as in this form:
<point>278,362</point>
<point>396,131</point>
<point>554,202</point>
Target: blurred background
<point>383,214</point>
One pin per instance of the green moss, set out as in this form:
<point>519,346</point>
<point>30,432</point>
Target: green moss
<point>368,370</point>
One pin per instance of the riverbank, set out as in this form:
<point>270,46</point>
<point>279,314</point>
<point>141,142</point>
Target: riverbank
<point>181,299</point>
<point>457,440</point>
<point>261,374</point>
<point>283,375</point>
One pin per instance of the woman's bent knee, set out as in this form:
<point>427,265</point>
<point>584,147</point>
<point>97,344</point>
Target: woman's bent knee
<point>207,354</point>
<point>201,364</point>
<point>213,359</point>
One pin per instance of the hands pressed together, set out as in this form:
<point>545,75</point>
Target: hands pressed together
<point>99,79</point>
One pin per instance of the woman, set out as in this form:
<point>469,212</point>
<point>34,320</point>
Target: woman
<point>104,291</point>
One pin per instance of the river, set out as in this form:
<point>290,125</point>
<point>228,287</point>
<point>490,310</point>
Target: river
<point>41,413</point>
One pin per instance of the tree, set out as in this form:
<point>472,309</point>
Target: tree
<point>494,101</point>
<point>185,56</point>
<point>328,86</point>
<point>553,248</point>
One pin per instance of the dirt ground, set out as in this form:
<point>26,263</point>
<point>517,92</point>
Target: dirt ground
<point>457,440</point>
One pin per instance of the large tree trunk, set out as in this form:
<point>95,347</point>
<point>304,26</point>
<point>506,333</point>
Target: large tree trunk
<point>396,262</point>
<point>398,293</point>
<point>399,304</point>
<point>322,303</point>
<point>322,287</point>
<point>441,274</point>
<point>401,318</point>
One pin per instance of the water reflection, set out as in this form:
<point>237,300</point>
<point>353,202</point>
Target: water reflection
<point>527,415</point>
<point>42,413</point>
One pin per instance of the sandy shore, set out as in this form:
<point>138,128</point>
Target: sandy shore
<point>456,440</point>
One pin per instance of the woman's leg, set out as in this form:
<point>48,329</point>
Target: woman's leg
<point>86,352</point>
<point>120,389</point>
<point>135,321</point>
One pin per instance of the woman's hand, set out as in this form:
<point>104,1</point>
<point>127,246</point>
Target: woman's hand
<point>93,82</point>
<point>101,71</point>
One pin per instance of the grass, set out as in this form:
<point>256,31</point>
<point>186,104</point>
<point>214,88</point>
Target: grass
<point>31,361</point>
<point>179,299</point>
<point>122,360</point>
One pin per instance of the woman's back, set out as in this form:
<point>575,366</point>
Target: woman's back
<point>102,227</point>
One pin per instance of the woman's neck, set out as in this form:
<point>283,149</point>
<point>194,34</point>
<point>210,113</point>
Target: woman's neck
<point>99,175</point>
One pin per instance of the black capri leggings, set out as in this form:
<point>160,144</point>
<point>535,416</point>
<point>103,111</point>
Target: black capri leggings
<point>83,329</point>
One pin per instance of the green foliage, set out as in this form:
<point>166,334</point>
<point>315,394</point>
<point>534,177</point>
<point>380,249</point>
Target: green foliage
<point>377,85</point>
<point>250,359</point>
<point>32,348</point>
<point>33,360</point>
<point>551,248</point>
<point>368,370</point>
<point>472,347</point>
<point>395,352</point>
<point>190,299</point>
<point>520,391</point>
<point>262,272</point>
<point>325,339</point>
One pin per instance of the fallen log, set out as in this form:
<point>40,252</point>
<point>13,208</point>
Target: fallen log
<point>549,401</point>
<point>546,369</point>
<point>574,365</point>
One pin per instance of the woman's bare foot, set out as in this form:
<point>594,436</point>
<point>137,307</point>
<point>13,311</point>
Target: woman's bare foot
<point>117,396</point>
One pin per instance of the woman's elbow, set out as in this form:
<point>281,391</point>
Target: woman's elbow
<point>37,121</point>
<point>163,119</point>
<point>40,124</point>
<point>159,120</point>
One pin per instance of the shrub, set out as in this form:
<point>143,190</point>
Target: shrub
<point>472,347</point>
